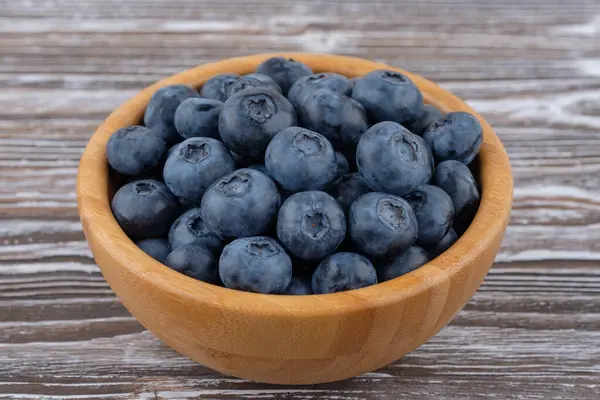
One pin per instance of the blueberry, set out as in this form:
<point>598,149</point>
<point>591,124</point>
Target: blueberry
<point>429,114</point>
<point>240,161</point>
<point>135,150</point>
<point>243,203</point>
<point>382,225</point>
<point>156,248</point>
<point>145,208</point>
<point>299,159</point>
<point>342,165</point>
<point>163,104</point>
<point>340,119</point>
<point>343,271</point>
<point>438,248</point>
<point>190,228</point>
<point>388,96</point>
<point>434,210</point>
<point>311,225</point>
<point>194,166</point>
<point>456,179</point>
<point>251,118</point>
<point>298,287</point>
<point>217,87</point>
<point>198,117</point>
<point>348,188</point>
<point>407,261</point>
<point>393,160</point>
<point>168,134</point>
<point>195,261</point>
<point>255,264</point>
<point>284,71</point>
<point>456,136</point>
<point>253,81</point>
<point>306,84</point>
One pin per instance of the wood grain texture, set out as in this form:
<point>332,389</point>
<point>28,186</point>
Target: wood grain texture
<point>530,67</point>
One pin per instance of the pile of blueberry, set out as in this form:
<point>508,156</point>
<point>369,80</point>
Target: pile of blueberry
<point>287,182</point>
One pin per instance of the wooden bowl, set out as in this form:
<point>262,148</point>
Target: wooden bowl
<point>293,339</point>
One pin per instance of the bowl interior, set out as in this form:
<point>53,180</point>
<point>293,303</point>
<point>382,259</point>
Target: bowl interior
<point>94,191</point>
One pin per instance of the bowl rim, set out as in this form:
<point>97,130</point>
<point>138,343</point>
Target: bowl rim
<point>102,230</point>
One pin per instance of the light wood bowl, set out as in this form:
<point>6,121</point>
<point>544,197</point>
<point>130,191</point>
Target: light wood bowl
<point>293,339</point>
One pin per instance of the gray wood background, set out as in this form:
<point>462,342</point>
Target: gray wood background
<point>532,68</point>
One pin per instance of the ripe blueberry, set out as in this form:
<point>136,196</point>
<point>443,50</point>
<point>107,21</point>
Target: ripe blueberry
<point>456,179</point>
<point>163,104</point>
<point>393,160</point>
<point>191,228</point>
<point>343,271</point>
<point>253,81</point>
<point>438,248</point>
<point>251,118</point>
<point>156,248</point>
<point>349,188</point>
<point>284,71</point>
<point>145,208</point>
<point>195,261</point>
<point>382,225</point>
<point>434,210</point>
<point>255,264</point>
<point>311,225</point>
<point>193,166</point>
<point>388,96</point>
<point>456,136</point>
<point>198,117</point>
<point>407,261</point>
<point>243,203</point>
<point>299,159</point>
<point>429,114</point>
<point>135,150</point>
<point>298,286</point>
<point>340,119</point>
<point>217,87</point>
<point>306,84</point>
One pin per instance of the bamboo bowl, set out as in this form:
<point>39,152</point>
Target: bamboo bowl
<point>293,339</point>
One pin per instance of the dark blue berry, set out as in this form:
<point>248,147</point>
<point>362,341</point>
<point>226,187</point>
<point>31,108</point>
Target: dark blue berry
<point>438,248</point>
<point>163,104</point>
<point>190,228</point>
<point>255,264</point>
<point>253,81</point>
<point>456,179</point>
<point>198,117</point>
<point>195,261</point>
<point>217,87</point>
<point>434,210</point>
<point>348,188</point>
<point>194,166</point>
<point>284,71</point>
<point>388,96</point>
<point>329,80</point>
<point>343,271</point>
<point>135,150</point>
<point>429,114</point>
<point>156,248</point>
<point>407,261</point>
<point>339,118</point>
<point>299,159</point>
<point>311,225</point>
<point>456,136</point>
<point>298,287</point>
<point>243,203</point>
<point>342,165</point>
<point>393,160</point>
<point>251,118</point>
<point>145,208</point>
<point>382,225</point>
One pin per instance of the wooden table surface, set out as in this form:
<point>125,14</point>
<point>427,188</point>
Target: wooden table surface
<point>532,68</point>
